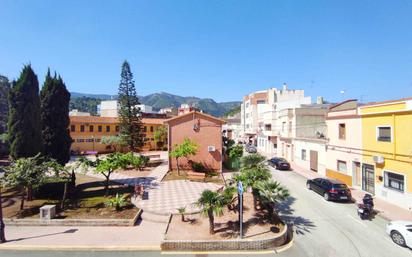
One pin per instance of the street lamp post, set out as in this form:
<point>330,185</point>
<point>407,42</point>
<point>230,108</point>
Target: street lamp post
<point>2,226</point>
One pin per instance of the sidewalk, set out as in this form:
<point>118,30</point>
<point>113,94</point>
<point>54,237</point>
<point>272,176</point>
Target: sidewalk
<point>145,236</point>
<point>386,210</point>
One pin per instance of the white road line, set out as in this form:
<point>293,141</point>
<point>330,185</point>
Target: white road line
<point>358,221</point>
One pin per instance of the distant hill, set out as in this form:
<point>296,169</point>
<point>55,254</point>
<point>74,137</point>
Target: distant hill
<point>85,102</point>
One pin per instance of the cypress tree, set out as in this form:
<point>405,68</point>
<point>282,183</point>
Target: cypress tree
<point>129,113</point>
<point>4,105</point>
<point>55,120</point>
<point>24,127</point>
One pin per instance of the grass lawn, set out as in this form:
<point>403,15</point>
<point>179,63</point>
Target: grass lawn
<point>86,201</point>
<point>211,177</point>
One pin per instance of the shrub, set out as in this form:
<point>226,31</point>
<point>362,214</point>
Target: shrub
<point>235,152</point>
<point>117,202</point>
<point>198,167</point>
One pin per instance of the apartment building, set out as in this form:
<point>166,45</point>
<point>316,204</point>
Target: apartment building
<point>259,116</point>
<point>387,150</point>
<point>344,148</point>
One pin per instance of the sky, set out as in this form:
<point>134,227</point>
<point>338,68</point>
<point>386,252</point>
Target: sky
<point>215,49</point>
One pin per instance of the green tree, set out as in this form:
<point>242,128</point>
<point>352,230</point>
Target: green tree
<point>116,142</point>
<point>185,149</point>
<point>270,194</point>
<point>54,102</point>
<point>29,173</point>
<point>106,166</point>
<point>160,135</point>
<point>129,113</point>
<point>211,203</point>
<point>24,127</point>
<point>235,152</point>
<point>252,160</point>
<point>4,104</point>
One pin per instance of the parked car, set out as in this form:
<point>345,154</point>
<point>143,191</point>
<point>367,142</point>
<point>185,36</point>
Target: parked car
<point>250,149</point>
<point>330,189</point>
<point>400,232</point>
<point>279,163</point>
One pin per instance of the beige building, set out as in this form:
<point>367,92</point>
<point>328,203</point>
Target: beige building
<point>344,148</point>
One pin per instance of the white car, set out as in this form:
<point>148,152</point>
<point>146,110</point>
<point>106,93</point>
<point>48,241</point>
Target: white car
<point>400,232</point>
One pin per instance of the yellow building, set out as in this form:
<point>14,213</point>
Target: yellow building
<point>387,150</point>
<point>87,132</point>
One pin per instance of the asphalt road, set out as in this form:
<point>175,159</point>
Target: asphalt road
<point>321,229</point>
<point>329,228</point>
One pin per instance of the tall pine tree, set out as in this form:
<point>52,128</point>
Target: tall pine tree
<point>24,127</point>
<point>129,113</point>
<point>55,120</point>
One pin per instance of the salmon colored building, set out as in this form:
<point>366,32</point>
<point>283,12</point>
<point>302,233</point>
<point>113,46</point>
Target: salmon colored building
<point>203,129</point>
<point>87,132</point>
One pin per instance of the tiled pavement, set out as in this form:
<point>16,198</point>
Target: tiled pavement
<point>171,195</point>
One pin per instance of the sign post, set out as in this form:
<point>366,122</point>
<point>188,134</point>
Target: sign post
<point>240,198</point>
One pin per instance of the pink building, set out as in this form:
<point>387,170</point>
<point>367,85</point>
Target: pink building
<point>205,130</point>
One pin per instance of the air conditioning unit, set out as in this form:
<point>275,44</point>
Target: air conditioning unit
<point>378,159</point>
<point>211,148</point>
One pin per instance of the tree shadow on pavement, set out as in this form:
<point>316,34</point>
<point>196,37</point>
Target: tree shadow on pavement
<point>300,224</point>
<point>69,231</point>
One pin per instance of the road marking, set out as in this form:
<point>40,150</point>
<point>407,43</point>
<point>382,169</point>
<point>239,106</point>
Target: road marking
<point>357,221</point>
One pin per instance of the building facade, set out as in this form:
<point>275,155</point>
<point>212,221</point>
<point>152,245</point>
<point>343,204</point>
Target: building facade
<point>87,132</point>
<point>203,129</point>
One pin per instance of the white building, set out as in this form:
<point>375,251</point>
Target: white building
<point>76,112</point>
<point>110,108</point>
<point>260,113</point>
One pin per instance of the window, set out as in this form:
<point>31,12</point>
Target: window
<point>99,128</point>
<point>117,128</point>
<point>107,128</point>
<point>151,128</point>
<point>81,128</point>
<point>268,127</point>
<point>303,157</point>
<point>260,101</point>
<point>394,181</point>
<point>384,134</point>
<point>283,126</point>
<point>247,115</point>
<point>342,131</point>
<point>247,105</point>
<point>79,140</point>
<point>275,145</point>
<point>341,166</point>
<point>91,128</point>
<point>144,129</point>
<point>89,140</point>
<point>72,128</point>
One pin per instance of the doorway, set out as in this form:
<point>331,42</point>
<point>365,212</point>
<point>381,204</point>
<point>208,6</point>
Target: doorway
<point>368,178</point>
<point>314,160</point>
<point>356,174</point>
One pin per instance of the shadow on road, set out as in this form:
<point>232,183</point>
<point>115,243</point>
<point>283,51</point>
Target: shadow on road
<point>300,224</point>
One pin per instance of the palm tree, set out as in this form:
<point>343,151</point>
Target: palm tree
<point>252,160</point>
<point>182,211</point>
<point>270,194</point>
<point>211,203</point>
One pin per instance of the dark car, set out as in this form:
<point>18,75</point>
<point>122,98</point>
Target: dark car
<point>330,189</point>
<point>279,163</point>
<point>250,149</point>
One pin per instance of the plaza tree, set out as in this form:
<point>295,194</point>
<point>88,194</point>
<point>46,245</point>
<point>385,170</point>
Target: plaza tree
<point>24,125</point>
<point>185,149</point>
<point>54,102</point>
<point>270,194</point>
<point>211,204</point>
<point>129,114</point>
<point>159,135</point>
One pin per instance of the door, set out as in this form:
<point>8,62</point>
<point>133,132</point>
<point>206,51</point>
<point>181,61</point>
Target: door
<point>356,174</point>
<point>314,160</point>
<point>368,178</point>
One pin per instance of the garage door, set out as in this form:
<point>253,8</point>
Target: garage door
<point>314,160</point>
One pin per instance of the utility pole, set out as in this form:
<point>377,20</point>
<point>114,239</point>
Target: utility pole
<point>2,226</point>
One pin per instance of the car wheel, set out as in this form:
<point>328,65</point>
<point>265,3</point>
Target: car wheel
<point>308,186</point>
<point>397,238</point>
<point>326,196</point>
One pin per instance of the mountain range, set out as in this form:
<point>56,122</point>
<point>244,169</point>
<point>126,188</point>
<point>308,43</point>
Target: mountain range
<point>157,101</point>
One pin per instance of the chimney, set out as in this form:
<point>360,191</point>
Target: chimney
<point>319,100</point>
<point>285,86</point>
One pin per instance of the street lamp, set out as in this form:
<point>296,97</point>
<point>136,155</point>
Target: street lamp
<point>2,234</point>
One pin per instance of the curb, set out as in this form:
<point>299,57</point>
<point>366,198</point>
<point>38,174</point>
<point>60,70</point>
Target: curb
<point>72,248</point>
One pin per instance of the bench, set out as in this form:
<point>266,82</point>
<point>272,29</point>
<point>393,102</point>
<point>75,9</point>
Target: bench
<point>191,175</point>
